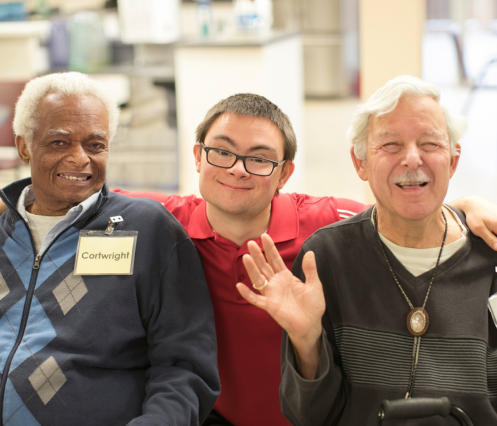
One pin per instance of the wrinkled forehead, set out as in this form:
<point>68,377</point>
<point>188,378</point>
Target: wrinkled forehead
<point>55,111</point>
<point>436,135</point>
<point>412,117</point>
<point>60,102</point>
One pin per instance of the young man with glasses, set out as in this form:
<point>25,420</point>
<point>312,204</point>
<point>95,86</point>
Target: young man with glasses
<point>258,166</point>
<point>240,202</point>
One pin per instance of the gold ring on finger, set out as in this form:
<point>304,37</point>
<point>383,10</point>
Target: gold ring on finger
<point>261,287</point>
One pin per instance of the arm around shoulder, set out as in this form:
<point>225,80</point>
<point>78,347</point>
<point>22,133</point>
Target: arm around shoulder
<point>181,207</point>
<point>481,217</point>
<point>347,208</point>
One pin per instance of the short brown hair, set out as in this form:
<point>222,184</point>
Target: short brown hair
<point>253,106</point>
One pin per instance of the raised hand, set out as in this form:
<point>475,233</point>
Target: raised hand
<point>296,306</point>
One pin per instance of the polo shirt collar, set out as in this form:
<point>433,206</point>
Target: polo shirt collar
<point>199,227</point>
<point>283,225</point>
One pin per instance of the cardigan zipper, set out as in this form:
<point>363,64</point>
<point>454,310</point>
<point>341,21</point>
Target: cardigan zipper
<point>22,329</point>
<point>29,299</point>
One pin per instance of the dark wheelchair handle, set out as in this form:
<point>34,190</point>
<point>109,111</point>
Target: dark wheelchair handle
<point>416,408</point>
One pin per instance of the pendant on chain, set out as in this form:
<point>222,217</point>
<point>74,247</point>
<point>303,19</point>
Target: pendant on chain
<point>418,321</point>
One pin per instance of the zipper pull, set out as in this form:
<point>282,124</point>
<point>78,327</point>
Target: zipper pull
<point>37,262</point>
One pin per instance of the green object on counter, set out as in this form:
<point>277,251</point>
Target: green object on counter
<point>89,48</point>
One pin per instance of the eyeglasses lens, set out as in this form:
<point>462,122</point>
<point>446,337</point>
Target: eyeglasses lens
<point>255,165</point>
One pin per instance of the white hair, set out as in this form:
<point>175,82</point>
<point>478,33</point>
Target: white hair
<point>67,84</point>
<point>385,100</point>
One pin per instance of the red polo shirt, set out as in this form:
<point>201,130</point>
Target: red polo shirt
<point>249,340</point>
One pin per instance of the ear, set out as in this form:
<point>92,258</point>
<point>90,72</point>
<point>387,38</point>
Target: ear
<point>287,171</point>
<point>360,165</point>
<point>454,160</point>
<point>22,149</point>
<point>197,152</point>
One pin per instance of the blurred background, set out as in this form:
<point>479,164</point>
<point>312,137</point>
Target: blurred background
<point>169,61</point>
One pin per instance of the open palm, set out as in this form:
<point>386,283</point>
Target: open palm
<point>295,306</point>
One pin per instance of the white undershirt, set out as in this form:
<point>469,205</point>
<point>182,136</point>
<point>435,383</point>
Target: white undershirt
<point>50,226</point>
<point>40,226</point>
<point>418,261</point>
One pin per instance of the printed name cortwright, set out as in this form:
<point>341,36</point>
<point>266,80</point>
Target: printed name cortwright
<point>110,256</point>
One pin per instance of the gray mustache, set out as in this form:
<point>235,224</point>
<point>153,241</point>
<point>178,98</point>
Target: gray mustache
<point>412,177</point>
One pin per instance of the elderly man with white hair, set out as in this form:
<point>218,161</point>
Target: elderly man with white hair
<point>402,308</point>
<point>105,316</point>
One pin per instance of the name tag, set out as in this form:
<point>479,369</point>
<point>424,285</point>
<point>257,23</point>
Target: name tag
<point>100,254</point>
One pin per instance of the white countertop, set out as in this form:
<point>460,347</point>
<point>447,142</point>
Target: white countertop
<point>25,29</point>
<point>237,39</point>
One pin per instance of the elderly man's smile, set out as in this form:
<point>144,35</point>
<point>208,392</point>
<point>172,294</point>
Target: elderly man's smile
<point>412,180</point>
<point>411,185</point>
<point>75,177</point>
<point>69,152</point>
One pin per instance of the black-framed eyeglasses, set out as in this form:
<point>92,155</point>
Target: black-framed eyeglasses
<point>226,159</point>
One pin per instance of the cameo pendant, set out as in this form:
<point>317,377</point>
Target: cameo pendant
<point>418,321</point>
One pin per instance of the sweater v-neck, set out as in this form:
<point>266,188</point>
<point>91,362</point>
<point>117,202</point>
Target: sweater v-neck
<point>399,268</point>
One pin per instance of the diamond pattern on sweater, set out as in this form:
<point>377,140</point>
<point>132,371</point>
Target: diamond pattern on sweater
<point>47,379</point>
<point>4,289</point>
<point>69,292</point>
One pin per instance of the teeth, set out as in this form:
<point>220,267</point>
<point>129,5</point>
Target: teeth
<point>402,185</point>
<point>73,178</point>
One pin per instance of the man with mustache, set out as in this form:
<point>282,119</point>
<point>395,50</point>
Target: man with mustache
<point>402,308</point>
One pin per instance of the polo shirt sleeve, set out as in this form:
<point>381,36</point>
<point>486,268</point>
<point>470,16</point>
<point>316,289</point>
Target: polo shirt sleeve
<point>347,208</point>
<point>181,207</point>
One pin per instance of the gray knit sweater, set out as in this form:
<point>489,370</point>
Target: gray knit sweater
<point>367,349</point>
